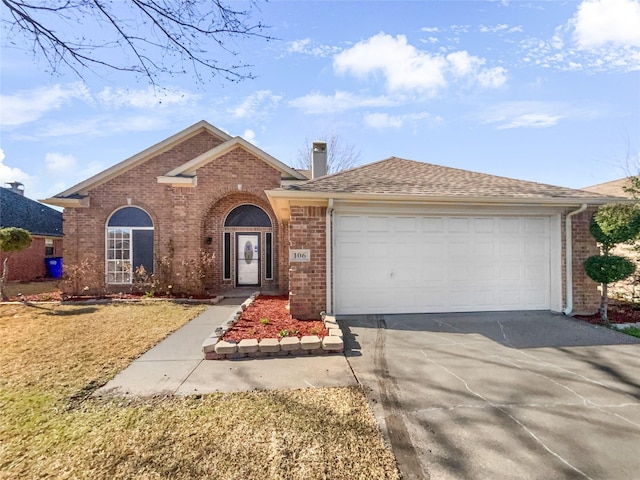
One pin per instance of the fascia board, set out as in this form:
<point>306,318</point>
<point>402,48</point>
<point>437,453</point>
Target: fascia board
<point>67,202</point>
<point>511,201</point>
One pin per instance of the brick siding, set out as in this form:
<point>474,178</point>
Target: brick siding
<point>307,280</point>
<point>182,216</point>
<point>586,297</point>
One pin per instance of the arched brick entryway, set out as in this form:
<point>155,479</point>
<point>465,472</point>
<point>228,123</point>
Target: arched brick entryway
<point>230,223</point>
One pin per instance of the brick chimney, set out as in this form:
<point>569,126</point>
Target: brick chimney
<point>318,159</point>
<point>16,187</point>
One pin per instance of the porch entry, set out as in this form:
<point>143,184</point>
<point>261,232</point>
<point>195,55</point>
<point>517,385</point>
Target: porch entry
<point>248,259</point>
<point>248,246</point>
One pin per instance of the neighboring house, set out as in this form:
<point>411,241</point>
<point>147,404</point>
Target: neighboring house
<point>629,288</point>
<point>615,188</point>
<point>389,237</point>
<point>44,224</point>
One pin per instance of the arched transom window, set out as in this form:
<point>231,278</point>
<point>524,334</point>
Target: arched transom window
<point>129,245</point>
<point>247,216</point>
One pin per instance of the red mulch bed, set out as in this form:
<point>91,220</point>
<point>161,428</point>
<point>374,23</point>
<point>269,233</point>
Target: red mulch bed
<point>275,310</point>
<point>57,296</point>
<point>618,312</point>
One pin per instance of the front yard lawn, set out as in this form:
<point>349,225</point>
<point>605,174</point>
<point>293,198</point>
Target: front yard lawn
<point>53,357</point>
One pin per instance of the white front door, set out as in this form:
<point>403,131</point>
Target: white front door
<point>248,258</point>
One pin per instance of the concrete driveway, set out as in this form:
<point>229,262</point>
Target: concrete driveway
<point>525,395</point>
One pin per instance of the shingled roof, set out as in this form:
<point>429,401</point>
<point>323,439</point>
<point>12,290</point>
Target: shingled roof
<point>19,211</point>
<point>615,187</point>
<point>398,176</point>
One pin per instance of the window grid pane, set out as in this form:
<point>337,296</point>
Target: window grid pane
<point>118,255</point>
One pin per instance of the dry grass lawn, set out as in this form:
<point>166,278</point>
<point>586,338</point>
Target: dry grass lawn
<point>52,357</point>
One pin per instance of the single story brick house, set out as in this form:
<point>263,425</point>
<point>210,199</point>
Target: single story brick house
<point>388,237</point>
<point>44,224</point>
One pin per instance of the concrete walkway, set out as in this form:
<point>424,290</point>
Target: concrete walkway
<point>176,366</point>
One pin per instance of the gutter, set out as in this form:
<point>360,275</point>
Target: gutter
<point>329,243</point>
<point>569,259</point>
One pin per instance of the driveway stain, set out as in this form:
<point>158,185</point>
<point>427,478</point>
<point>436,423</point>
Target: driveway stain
<point>397,431</point>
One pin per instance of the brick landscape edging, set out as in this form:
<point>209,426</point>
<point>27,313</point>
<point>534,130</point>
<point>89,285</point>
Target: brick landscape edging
<point>216,349</point>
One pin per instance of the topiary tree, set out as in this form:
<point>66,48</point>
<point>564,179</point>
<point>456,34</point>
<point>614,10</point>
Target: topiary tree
<point>12,239</point>
<point>611,226</point>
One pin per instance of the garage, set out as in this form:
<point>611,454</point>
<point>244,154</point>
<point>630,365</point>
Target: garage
<point>394,263</point>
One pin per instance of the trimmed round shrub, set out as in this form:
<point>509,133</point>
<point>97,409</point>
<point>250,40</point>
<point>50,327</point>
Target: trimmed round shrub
<point>607,269</point>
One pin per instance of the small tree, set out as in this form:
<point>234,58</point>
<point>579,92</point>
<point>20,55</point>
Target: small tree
<point>12,239</point>
<point>611,226</point>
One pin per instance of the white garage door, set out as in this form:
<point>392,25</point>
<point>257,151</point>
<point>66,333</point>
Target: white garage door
<point>409,264</point>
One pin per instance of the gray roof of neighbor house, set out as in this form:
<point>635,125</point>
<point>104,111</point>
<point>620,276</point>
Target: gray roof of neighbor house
<point>19,211</point>
<point>398,176</point>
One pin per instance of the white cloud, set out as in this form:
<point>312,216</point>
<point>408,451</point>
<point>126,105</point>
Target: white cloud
<point>500,28</point>
<point>27,106</point>
<point>461,63</point>
<point>338,102</point>
<point>102,126</point>
<point>305,46</point>
<point>12,174</point>
<point>58,163</point>
<point>148,98</point>
<point>531,120</point>
<point>526,114</point>
<point>382,120</point>
<point>250,136</point>
<point>405,68</point>
<point>607,22</point>
<point>492,77</point>
<point>260,100</point>
<point>430,29</point>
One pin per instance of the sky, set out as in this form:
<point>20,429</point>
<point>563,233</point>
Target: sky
<point>547,91</point>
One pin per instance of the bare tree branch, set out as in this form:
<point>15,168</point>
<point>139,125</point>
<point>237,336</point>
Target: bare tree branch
<point>341,155</point>
<point>150,38</point>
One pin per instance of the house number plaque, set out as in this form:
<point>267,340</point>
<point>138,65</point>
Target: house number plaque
<point>299,255</point>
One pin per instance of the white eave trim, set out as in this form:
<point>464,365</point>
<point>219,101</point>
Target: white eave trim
<point>296,196</point>
<point>67,202</point>
<point>178,181</point>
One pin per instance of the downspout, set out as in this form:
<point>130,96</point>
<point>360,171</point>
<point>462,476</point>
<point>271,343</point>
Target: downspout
<point>329,242</point>
<point>569,259</point>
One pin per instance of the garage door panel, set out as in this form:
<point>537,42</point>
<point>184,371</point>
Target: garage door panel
<point>508,225</point>
<point>458,225</point>
<point>433,224</point>
<point>404,264</point>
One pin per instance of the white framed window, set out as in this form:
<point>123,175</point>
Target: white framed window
<point>49,250</point>
<point>129,245</point>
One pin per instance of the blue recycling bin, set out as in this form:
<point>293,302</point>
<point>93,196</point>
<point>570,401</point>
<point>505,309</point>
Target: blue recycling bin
<point>54,267</point>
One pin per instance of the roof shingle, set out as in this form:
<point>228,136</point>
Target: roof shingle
<point>398,176</point>
<point>22,212</point>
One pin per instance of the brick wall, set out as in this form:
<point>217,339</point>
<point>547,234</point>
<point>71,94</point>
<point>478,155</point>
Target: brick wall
<point>182,216</point>
<point>29,264</point>
<point>307,280</point>
<point>586,297</point>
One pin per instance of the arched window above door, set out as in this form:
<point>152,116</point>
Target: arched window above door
<point>247,216</point>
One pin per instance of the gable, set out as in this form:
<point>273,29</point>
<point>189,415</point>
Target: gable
<point>186,174</point>
<point>74,195</point>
